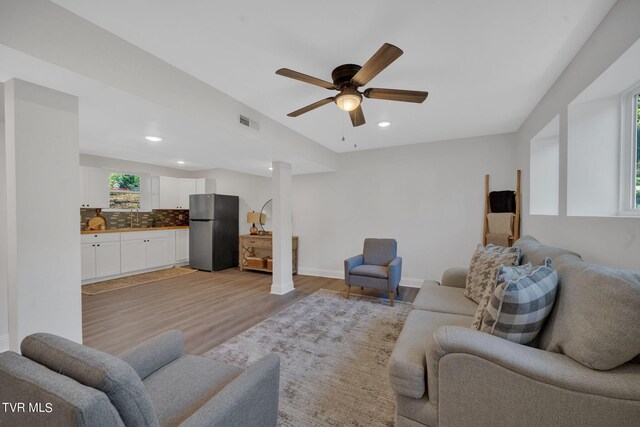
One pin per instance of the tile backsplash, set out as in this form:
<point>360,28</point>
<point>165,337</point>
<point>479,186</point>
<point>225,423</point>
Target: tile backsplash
<point>155,218</point>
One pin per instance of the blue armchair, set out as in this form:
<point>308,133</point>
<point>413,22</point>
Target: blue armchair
<point>377,267</point>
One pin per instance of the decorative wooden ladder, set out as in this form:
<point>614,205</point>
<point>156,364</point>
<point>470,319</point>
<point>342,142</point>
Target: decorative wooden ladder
<point>515,234</point>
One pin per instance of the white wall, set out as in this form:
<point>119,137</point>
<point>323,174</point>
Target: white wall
<point>128,166</point>
<point>4,315</point>
<point>593,157</point>
<point>43,255</point>
<point>429,197</point>
<point>545,160</point>
<point>614,241</point>
<point>253,191</point>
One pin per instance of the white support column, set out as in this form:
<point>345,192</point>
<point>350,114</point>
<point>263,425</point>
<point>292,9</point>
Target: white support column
<point>42,234</point>
<point>282,229</point>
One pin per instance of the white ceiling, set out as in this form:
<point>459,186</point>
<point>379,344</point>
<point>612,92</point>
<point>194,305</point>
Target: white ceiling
<point>486,64</point>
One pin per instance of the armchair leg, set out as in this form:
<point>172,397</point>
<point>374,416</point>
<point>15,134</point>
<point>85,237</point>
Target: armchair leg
<point>391,298</point>
<point>348,291</point>
<point>398,291</point>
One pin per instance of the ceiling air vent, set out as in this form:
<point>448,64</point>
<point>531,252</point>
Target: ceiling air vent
<point>246,121</point>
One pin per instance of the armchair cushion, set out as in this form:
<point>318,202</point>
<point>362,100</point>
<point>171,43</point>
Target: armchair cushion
<point>181,387</point>
<point>369,270</point>
<point>379,251</point>
<point>95,369</point>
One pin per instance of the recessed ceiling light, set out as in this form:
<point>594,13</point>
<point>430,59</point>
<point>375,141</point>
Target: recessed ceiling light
<point>181,162</point>
<point>270,168</point>
<point>153,138</point>
<point>384,124</point>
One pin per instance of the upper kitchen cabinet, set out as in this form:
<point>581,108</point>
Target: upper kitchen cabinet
<point>171,193</point>
<point>94,187</point>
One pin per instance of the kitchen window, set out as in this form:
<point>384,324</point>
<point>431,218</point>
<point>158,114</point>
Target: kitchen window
<point>124,191</point>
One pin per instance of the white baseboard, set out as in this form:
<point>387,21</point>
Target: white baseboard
<point>4,343</point>
<point>408,282</point>
<point>132,273</point>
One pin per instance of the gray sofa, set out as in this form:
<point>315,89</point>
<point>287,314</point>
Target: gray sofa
<point>446,374</point>
<point>62,383</point>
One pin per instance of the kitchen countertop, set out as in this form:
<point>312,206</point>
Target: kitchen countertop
<point>127,230</point>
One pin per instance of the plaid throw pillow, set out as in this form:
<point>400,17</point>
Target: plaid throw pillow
<point>505,274</point>
<point>484,266</point>
<point>519,306</point>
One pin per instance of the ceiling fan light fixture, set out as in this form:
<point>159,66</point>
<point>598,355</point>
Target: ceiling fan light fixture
<point>348,100</point>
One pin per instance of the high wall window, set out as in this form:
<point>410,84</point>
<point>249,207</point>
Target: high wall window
<point>124,191</point>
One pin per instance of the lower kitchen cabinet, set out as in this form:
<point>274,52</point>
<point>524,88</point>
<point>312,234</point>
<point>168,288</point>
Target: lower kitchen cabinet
<point>100,255</point>
<point>182,245</point>
<point>144,249</point>
<point>119,254</point>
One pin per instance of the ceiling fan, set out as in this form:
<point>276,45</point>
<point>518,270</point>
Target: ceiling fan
<point>348,78</point>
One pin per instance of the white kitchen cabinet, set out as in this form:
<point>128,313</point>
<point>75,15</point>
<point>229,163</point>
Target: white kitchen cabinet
<point>94,187</point>
<point>88,263</point>
<point>182,245</point>
<point>144,249</point>
<point>171,193</point>
<point>100,255</point>
<point>186,187</point>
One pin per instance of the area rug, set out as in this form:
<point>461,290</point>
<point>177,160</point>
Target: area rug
<point>334,355</point>
<point>135,280</point>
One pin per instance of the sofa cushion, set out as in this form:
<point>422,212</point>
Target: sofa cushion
<point>505,274</point>
<point>178,389</point>
<point>535,252</point>
<point>484,268</point>
<point>521,303</point>
<point>444,299</point>
<point>95,369</point>
<point>596,317</point>
<point>379,251</point>
<point>367,270</point>
<point>407,364</point>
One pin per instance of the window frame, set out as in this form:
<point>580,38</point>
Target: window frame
<point>145,191</point>
<point>629,147</point>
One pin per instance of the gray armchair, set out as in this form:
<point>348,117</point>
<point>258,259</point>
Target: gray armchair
<point>377,267</point>
<point>153,384</point>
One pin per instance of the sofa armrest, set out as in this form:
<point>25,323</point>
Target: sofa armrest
<point>456,277</point>
<point>156,352</point>
<point>395,272</point>
<point>349,263</point>
<point>251,399</point>
<point>541,366</point>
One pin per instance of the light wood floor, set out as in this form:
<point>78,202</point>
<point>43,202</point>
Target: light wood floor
<point>209,308</point>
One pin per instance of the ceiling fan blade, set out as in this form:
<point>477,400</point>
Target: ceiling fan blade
<point>396,95</point>
<point>357,116</point>
<point>378,62</point>
<point>304,78</point>
<point>311,107</point>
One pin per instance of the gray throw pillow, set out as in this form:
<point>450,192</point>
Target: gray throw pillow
<point>520,305</point>
<point>505,274</point>
<point>484,266</point>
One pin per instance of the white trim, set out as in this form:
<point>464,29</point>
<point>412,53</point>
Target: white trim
<point>4,343</point>
<point>628,148</point>
<point>408,282</point>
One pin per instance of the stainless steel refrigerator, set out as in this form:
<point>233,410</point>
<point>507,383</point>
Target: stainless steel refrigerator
<point>213,231</point>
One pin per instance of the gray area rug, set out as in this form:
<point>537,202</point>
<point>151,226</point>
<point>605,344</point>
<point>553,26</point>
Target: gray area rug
<point>334,355</point>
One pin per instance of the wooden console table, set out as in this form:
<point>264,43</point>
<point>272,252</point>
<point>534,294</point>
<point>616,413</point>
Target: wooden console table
<point>262,246</point>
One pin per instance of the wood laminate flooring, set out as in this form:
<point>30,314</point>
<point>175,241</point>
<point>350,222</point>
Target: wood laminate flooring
<point>209,308</point>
